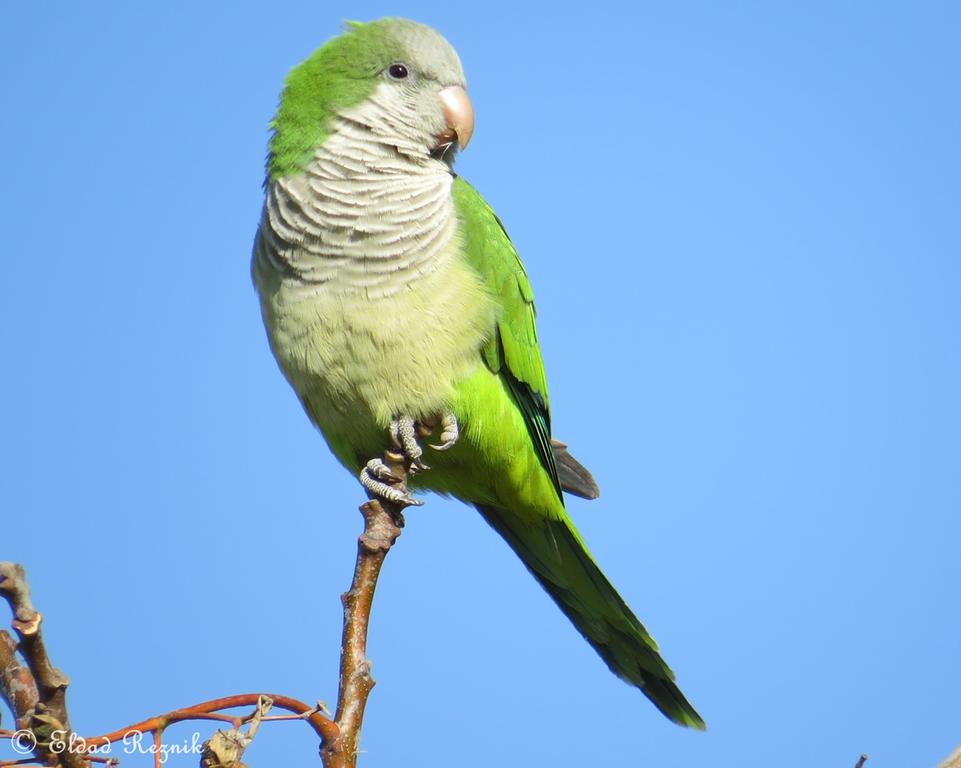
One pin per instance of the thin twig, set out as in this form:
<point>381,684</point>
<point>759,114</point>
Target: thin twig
<point>953,760</point>
<point>323,726</point>
<point>225,749</point>
<point>383,521</point>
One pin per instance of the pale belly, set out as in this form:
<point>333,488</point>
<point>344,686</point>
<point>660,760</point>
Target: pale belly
<point>356,362</point>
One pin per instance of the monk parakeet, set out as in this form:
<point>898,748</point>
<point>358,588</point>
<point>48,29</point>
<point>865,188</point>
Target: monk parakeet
<point>395,304</point>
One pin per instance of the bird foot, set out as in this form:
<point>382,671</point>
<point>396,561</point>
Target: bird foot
<point>380,481</point>
<point>405,434</point>
<point>449,432</point>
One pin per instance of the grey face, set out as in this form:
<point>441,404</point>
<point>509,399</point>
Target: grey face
<point>429,56</point>
<point>412,83</point>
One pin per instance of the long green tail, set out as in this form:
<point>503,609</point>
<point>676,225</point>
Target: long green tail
<point>554,552</point>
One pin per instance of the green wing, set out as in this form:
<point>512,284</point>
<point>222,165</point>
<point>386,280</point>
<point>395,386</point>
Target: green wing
<point>513,351</point>
<point>548,544</point>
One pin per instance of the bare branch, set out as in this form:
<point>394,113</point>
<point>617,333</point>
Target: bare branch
<point>383,521</point>
<point>50,711</point>
<point>36,690</point>
<point>953,760</point>
<point>207,710</point>
<point>17,686</point>
<point>51,682</point>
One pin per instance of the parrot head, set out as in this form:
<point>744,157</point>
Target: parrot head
<point>398,80</point>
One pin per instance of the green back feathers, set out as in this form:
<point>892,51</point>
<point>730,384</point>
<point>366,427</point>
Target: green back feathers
<point>513,352</point>
<point>342,73</point>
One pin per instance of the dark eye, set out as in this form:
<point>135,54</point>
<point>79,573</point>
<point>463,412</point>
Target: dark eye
<point>397,71</point>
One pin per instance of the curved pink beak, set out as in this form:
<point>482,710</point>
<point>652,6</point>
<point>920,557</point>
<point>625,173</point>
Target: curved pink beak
<point>459,114</point>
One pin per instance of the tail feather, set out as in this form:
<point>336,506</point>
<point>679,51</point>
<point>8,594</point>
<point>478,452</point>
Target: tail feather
<point>575,477</point>
<point>557,557</point>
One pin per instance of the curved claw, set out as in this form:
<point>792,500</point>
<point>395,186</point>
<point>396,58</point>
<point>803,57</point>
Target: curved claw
<point>450,432</point>
<point>376,478</point>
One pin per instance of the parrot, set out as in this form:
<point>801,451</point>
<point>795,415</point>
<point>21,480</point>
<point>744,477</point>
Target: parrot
<point>397,307</point>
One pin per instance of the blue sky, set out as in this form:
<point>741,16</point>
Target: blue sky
<point>742,225</point>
